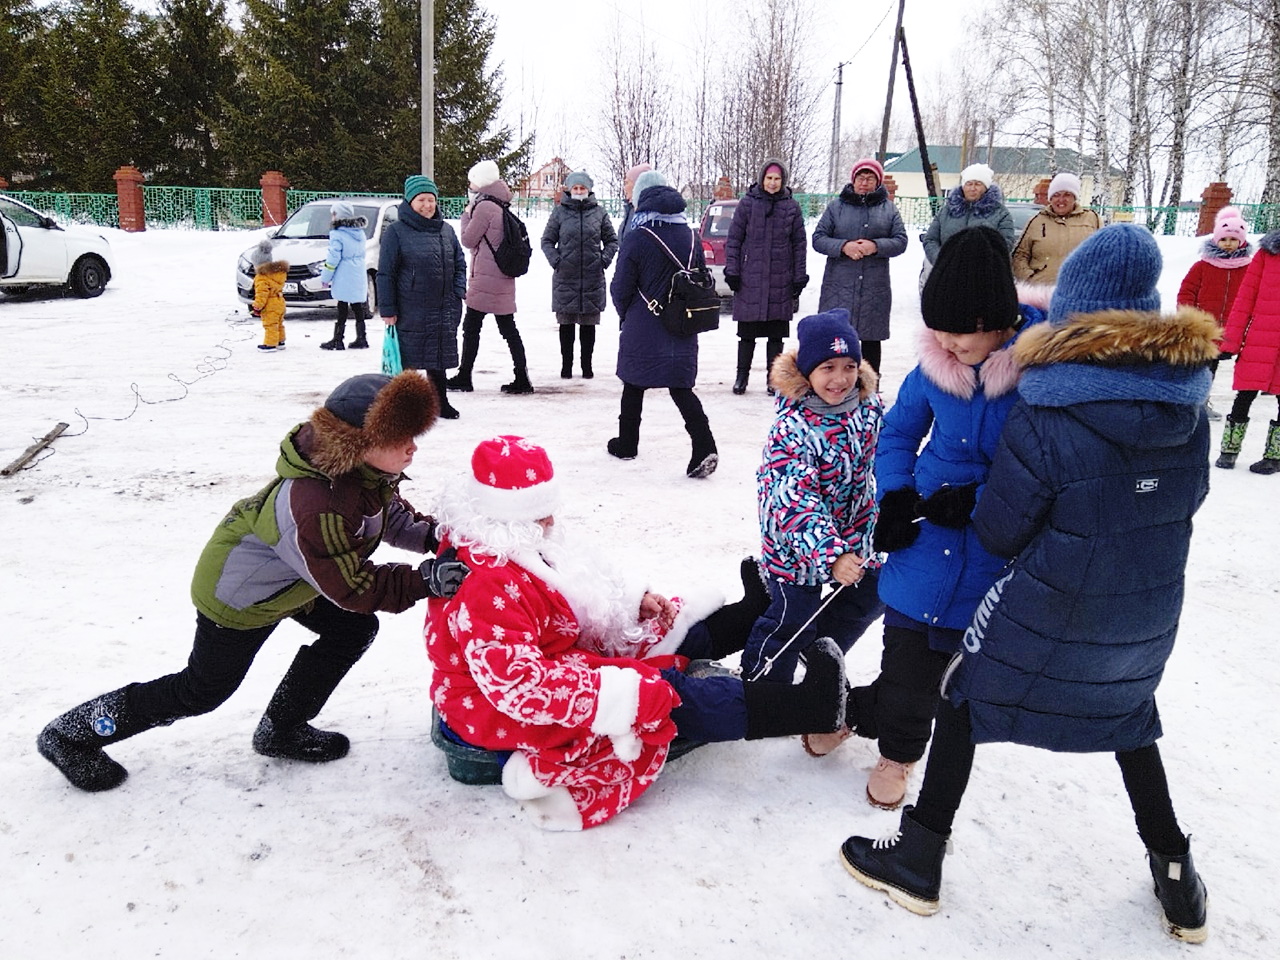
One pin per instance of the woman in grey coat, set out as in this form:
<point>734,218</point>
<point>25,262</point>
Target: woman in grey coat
<point>579,243</point>
<point>977,202</point>
<point>858,233</point>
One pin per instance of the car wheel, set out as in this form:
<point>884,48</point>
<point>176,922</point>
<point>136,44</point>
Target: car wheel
<point>88,277</point>
<point>371,299</point>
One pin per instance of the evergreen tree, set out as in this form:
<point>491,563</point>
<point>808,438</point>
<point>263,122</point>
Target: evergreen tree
<point>197,75</point>
<point>19,40</point>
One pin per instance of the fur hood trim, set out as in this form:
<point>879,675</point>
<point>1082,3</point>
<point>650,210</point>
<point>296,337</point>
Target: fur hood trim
<point>405,408</point>
<point>359,222</point>
<point>998,374</point>
<point>1035,294</point>
<point>1115,337</point>
<point>1270,242</point>
<point>786,378</point>
<point>272,266</point>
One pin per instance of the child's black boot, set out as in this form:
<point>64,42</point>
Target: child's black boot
<point>73,742</point>
<point>284,730</point>
<point>814,705</point>
<point>1182,895</point>
<point>907,865</point>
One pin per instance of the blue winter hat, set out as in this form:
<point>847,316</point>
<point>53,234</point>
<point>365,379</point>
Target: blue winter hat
<point>579,179</point>
<point>1116,268</point>
<point>826,335</point>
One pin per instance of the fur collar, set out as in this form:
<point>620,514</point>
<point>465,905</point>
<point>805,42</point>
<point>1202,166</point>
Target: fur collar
<point>997,375</point>
<point>1120,337</point>
<point>873,199</point>
<point>358,222</point>
<point>1271,242</point>
<point>1215,256</point>
<point>280,267</point>
<point>786,378</point>
<point>987,204</point>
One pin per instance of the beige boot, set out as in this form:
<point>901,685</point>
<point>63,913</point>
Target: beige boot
<point>820,744</point>
<point>887,784</point>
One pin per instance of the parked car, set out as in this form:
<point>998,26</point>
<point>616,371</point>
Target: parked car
<point>1022,211</point>
<point>303,241</point>
<point>714,231</point>
<point>36,251</point>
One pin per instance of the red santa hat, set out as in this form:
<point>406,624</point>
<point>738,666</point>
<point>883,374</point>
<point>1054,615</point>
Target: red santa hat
<point>512,479</point>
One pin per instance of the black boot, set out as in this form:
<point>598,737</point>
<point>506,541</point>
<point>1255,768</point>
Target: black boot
<point>1183,899</point>
<point>520,384</point>
<point>470,348</point>
<point>907,866</point>
<point>73,743</point>
<point>284,730</point>
<point>339,331</point>
<point>626,444</point>
<point>746,350</point>
<point>566,351</point>
<point>360,342</point>
<point>730,626</point>
<point>447,410</point>
<point>587,340</point>
<point>705,458</point>
<point>814,705</point>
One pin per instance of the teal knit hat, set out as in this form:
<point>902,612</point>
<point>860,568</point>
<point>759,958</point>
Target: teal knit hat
<point>416,184</point>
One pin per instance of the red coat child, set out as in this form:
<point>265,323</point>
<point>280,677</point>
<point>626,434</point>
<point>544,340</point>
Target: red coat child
<point>1214,280</point>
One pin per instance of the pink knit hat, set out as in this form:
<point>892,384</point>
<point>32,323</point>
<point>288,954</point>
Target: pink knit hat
<point>868,163</point>
<point>1229,223</point>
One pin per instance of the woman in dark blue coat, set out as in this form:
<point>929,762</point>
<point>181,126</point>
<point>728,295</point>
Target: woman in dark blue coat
<point>1101,466</point>
<point>764,266</point>
<point>579,243</point>
<point>858,233</point>
<point>649,356</point>
<point>422,278</point>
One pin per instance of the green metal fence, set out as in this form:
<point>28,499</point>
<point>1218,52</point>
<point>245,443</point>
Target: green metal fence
<point>223,208</point>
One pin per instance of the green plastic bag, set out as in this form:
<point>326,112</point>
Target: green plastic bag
<point>391,352</point>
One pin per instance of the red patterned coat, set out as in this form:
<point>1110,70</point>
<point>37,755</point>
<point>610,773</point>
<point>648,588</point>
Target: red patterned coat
<point>508,675</point>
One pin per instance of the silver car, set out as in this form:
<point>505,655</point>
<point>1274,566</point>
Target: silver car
<point>36,251</point>
<point>303,241</point>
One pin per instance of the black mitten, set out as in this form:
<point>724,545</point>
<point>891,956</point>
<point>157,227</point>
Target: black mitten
<point>733,281</point>
<point>797,288</point>
<point>950,506</point>
<point>896,528</point>
<point>444,574</point>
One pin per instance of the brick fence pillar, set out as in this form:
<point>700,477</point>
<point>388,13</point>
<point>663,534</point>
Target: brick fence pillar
<point>133,215</point>
<point>890,186</point>
<point>274,208</point>
<point>723,189</point>
<point>4,184</point>
<point>1216,196</point>
<point>1041,191</point>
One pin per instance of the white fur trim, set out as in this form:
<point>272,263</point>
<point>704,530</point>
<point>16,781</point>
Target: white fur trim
<point>698,605</point>
<point>528,503</point>
<point>618,701</point>
<point>483,174</point>
<point>518,780</point>
<point>556,811</point>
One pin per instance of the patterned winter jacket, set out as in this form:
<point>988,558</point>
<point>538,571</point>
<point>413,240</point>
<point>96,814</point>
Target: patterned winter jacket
<point>268,290</point>
<point>1102,464</point>
<point>308,534</point>
<point>944,429</point>
<point>815,489</point>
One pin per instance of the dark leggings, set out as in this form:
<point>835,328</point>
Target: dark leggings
<point>685,399</point>
<point>871,353</point>
<point>1244,400</point>
<point>951,760</point>
<point>471,324</point>
<point>897,707</point>
<point>357,310</point>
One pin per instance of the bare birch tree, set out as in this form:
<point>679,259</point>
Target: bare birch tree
<point>638,123</point>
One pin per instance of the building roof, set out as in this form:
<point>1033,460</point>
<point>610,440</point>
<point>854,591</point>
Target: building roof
<point>1018,161</point>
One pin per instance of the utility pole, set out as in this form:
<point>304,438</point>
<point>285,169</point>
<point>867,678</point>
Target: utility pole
<point>893,72</point>
<point>429,88</point>
<point>925,165</point>
<point>833,165</point>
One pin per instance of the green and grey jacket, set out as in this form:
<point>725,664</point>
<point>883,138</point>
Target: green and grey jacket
<point>308,534</point>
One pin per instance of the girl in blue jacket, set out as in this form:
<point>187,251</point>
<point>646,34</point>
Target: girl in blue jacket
<point>344,272</point>
<point>931,461</point>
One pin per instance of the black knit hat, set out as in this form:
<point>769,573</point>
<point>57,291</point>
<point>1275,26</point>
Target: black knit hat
<point>971,287</point>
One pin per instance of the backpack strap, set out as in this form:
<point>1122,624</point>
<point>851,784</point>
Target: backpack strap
<point>654,306</point>
<point>502,206</point>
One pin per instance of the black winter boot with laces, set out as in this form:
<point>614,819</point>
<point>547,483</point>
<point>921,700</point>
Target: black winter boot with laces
<point>906,865</point>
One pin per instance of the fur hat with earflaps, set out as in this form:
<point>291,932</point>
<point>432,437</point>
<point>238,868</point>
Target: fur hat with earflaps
<point>368,411</point>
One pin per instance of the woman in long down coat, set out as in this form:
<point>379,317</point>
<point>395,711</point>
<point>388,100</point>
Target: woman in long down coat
<point>649,356</point>
<point>422,277</point>
<point>579,243</point>
<point>765,266</point>
<point>977,202</point>
<point>858,233</point>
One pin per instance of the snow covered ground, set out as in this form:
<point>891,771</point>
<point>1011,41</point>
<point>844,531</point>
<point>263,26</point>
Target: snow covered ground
<point>210,850</point>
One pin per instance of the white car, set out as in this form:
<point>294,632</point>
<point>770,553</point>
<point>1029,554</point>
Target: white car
<point>303,241</point>
<point>36,251</point>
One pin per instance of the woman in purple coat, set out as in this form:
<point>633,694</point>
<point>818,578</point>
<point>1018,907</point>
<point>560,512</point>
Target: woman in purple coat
<point>649,356</point>
<point>765,266</point>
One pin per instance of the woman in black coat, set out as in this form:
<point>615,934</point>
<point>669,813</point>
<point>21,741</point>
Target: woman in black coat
<point>765,266</point>
<point>579,243</point>
<point>649,356</point>
<point>422,278</point>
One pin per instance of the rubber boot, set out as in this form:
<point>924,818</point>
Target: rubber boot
<point>814,705</point>
<point>339,331</point>
<point>746,350</point>
<point>461,381</point>
<point>1233,432</point>
<point>730,626</point>
<point>73,742</point>
<point>1270,462</point>
<point>587,339</point>
<point>626,444</point>
<point>566,351</point>
<point>906,865</point>
<point>1182,895</point>
<point>705,458</point>
<point>441,383</point>
<point>360,342</point>
<point>284,730</point>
